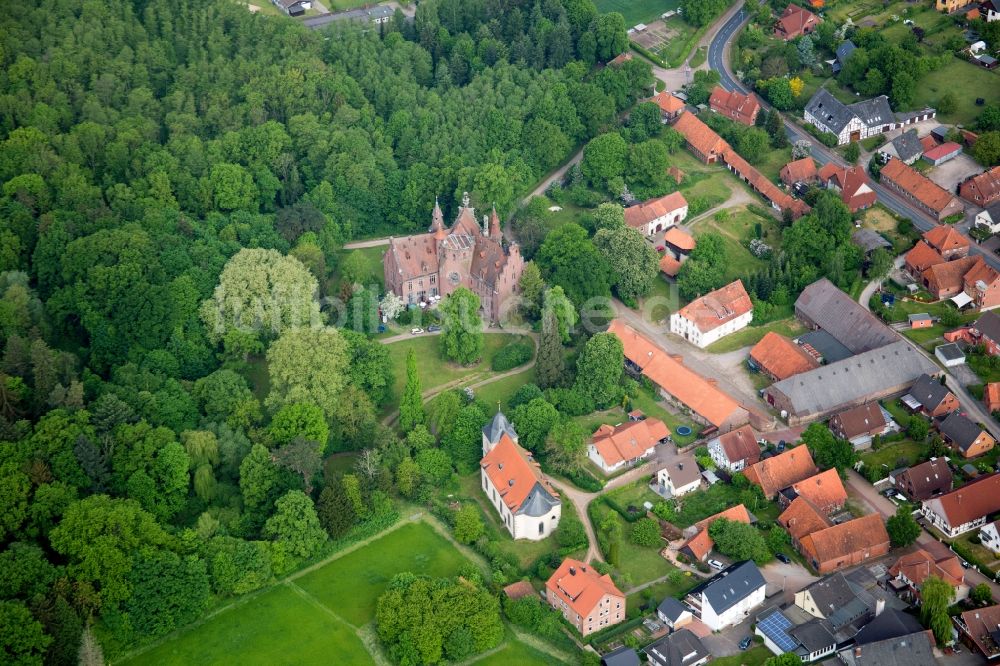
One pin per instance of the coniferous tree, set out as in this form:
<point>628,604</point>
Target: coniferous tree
<point>411,407</point>
<point>335,509</point>
<point>550,368</point>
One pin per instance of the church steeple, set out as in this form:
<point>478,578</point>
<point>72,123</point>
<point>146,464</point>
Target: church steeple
<point>494,224</point>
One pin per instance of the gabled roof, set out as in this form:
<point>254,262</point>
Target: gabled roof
<point>781,357</point>
<point>842,317</point>
<point>730,586</point>
<point>795,19</point>
<point>922,256</point>
<point>929,477</point>
<point>681,648</point>
<point>799,170</point>
<point>518,479</point>
<point>908,146</point>
<point>890,623</point>
<point>945,238</point>
<point>669,373</point>
<point>672,608</point>
<point>917,566</point>
<point>497,426</point>
<point>870,240</point>
<point>679,238</point>
<point>781,471</point>
<point>734,104</point>
<point>916,649</point>
<point>972,501</point>
<point>943,150</point>
<point>988,325</point>
<point>702,137</point>
<point>982,625</point>
<point>700,543</point>
<point>844,51</point>
<point>643,213</point>
<point>991,393</point>
<point>981,272</point>
<point>580,586</point>
<point>922,188</point>
<point>718,307</point>
<point>667,102</point>
<point>802,518</point>
<point>825,490</point>
<point>518,590</point>
<point>949,275</point>
<point>682,470</point>
<point>860,420</point>
<point>740,444</point>
<point>839,541</point>
<point>961,430</point>
<point>836,115</point>
<point>623,656</point>
<point>669,266</point>
<point>986,184</point>
<point>628,441</point>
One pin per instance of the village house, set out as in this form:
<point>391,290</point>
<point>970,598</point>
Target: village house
<point>989,218</point>
<point>849,122</point>
<point>821,305</point>
<point>847,544</point>
<point>680,476</point>
<point>790,630</point>
<point>679,242</point>
<point>698,542</point>
<point>735,450</point>
<point>983,189</point>
<point>670,106</point>
<point>911,570</point>
<point>728,597</point>
<point>984,331</point>
<point>925,480</point>
<point>906,147</point>
<point>919,190</point>
<point>794,22</point>
<point>851,183</point>
<point>965,508</point>
<point>825,491</point>
<point>965,435</point>
<point>919,258</point>
<point>945,280</point>
<point>948,242</point>
<point>681,648</point>
<point>655,215</point>
<point>677,383</point>
<point>990,536</point>
<point>860,424</point>
<point>867,377</point>
<point>615,447</point>
<point>979,629</point>
<point>701,140</point>
<point>844,603</point>
<point>964,281</point>
<point>930,397</point>
<point>802,517</point>
<point>799,171</point>
<point>586,599</point>
<point>781,471</point>
<point>528,505</point>
<point>713,316</point>
<point>914,649</point>
<point>673,613</point>
<point>422,268</point>
<point>919,320</point>
<point>670,266</point>
<point>991,397</point>
<point>735,105</point>
<point>779,358</point>
<point>990,10</point>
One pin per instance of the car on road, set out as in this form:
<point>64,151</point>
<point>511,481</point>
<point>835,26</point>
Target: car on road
<point>416,331</point>
<point>965,565</point>
<point>783,558</point>
<point>716,564</point>
<point>661,249</point>
<point>433,329</point>
<point>746,643</point>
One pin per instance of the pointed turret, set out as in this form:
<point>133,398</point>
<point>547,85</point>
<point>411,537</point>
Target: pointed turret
<point>437,217</point>
<point>494,224</point>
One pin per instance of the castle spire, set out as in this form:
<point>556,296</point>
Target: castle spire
<point>465,199</point>
<point>437,218</point>
<point>494,224</point>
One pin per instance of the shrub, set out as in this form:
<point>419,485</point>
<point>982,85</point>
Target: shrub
<point>570,401</point>
<point>646,532</point>
<point>511,356</point>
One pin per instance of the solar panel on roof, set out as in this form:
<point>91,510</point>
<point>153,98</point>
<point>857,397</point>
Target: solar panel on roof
<point>775,627</point>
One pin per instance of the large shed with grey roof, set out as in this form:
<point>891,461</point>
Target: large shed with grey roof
<point>823,305</point>
<point>866,377</point>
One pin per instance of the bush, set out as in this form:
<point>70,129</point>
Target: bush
<point>570,401</point>
<point>646,532</point>
<point>584,480</point>
<point>511,356</point>
<point>828,139</point>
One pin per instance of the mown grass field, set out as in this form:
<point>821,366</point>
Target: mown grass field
<point>887,457</point>
<point>751,335</point>
<point>637,11</point>
<point>516,652</point>
<point>967,81</point>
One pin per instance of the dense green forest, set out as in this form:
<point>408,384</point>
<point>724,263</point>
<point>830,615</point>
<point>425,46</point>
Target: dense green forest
<point>163,160</point>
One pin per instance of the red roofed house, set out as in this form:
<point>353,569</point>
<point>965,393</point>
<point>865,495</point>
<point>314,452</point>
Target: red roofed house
<point>825,491</point>
<point>588,600</point>
<point>735,450</point>
<point>977,628</point>
<point>615,447</point>
<point>919,190</point>
<point>528,505</point>
<point>949,243</point>
<point>795,22</point>
<point>982,284</point>
<point>925,480</point>
<point>780,358</point>
<point>676,382</point>
<point>847,544</point>
<point>655,215</point>
<point>911,570</point>
<point>734,105</point>
<point>679,241</point>
<point>921,257</point>
<point>670,106</point>
<point>781,471</point>
<point>859,425</point>
<point>802,518</point>
<point>699,542</point>
<point>964,508</point>
<point>983,189</point>
<point>713,316</point>
<point>799,171</point>
<point>852,183</point>
<point>701,139</point>
<point>991,397</point>
<point>620,59</point>
<point>944,280</point>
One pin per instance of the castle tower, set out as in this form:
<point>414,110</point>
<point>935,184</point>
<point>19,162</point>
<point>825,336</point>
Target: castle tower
<point>437,222</point>
<point>494,231</point>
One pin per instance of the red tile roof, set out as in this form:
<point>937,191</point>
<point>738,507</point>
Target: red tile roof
<point>679,238</point>
<point>513,472</point>
<point>781,471</point>
<point>922,257</point>
<point>799,170</point>
<point>944,149</point>
<point>948,276</point>
<point>802,518</point>
<point>740,444</point>
<point>922,188</point>
<point>580,586</point>
<point>945,238</point>
<point>928,142</point>
<point>643,213</point>
<point>739,107</point>
<point>521,588</point>
<point>855,188</point>
<point>667,102</point>
<point>981,624</point>
<point>700,543</point>
<point>702,137</point>
<point>859,420</point>
<point>980,272</point>
<point>970,502</point>
<point>824,490</point>
<point>991,396</point>
<point>919,565</point>
<point>669,265</point>
<point>621,58</point>
<point>628,441</point>
<point>839,541</point>
<point>796,21</point>
<point>718,307</point>
<point>781,357</point>
<point>983,188</point>
<point>669,373</point>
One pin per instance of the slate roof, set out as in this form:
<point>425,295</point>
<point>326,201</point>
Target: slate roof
<point>989,325</point>
<point>908,146</point>
<point>731,586</point>
<point>836,115</point>
<point>672,608</point>
<point>678,649</point>
<point>623,656</point>
<point>854,379</point>
<point>890,623</point>
<point>916,649</point>
<point>825,346</point>
<point>844,51</point>
<point>838,314</point>
<point>682,470</point>
<point>961,430</point>
<point>781,357</point>
<point>949,352</point>
<point>929,392</point>
<point>870,240</point>
<point>497,427</point>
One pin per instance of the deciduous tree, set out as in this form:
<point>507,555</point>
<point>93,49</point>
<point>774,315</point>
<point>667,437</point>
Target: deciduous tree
<point>599,369</point>
<point>308,365</point>
<point>461,329</point>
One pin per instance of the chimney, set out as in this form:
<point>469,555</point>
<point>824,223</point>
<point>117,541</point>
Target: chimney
<point>857,652</point>
<point>572,571</point>
<point>680,465</point>
<point>879,606</point>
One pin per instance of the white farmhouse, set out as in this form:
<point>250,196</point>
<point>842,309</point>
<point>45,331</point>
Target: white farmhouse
<point>714,315</point>
<point>650,217</point>
<point>990,536</point>
<point>528,505</point>
<point>680,476</point>
<point>854,122</point>
<point>735,450</point>
<point>615,447</point>
<point>964,508</point>
<point>729,597</point>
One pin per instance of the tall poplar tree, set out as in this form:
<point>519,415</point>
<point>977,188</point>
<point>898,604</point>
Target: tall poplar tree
<point>550,367</point>
<point>411,408</point>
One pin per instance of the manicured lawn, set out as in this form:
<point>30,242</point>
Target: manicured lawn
<point>651,407</point>
<point>634,494</point>
<point>923,336</point>
<point>350,585</point>
<point>751,335</point>
<point>892,455</point>
<point>752,657</point>
<point>502,390</point>
<point>516,652</point>
<point>276,627</point>
<point>713,189</point>
<point>739,261</point>
<point>901,310</point>
<point>967,81</point>
<point>661,300</point>
<point>704,503</point>
<point>637,11</point>
<point>661,591</point>
<point>373,265</point>
<point>641,563</point>
<point>741,223</point>
<point>772,162</point>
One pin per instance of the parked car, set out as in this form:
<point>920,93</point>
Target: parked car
<point>433,328</point>
<point>416,331</point>
<point>783,558</point>
<point>661,249</point>
<point>746,643</point>
<point>716,564</point>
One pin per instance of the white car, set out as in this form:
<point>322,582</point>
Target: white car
<point>716,564</point>
<point>416,331</point>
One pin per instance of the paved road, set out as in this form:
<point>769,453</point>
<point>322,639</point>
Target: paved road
<point>374,242</point>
